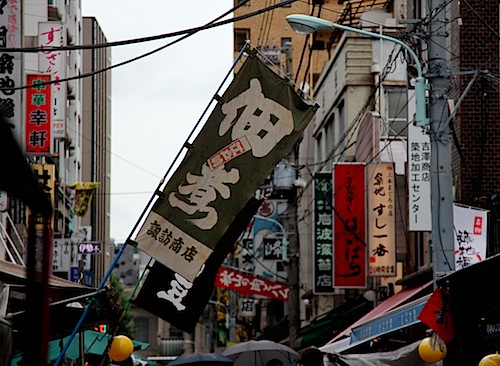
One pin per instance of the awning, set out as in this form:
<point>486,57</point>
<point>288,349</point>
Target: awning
<point>93,343</point>
<point>319,331</point>
<point>392,302</point>
<point>67,304</point>
<point>14,274</point>
<point>396,319</point>
<point>404,356</point>
<point>471,291</point>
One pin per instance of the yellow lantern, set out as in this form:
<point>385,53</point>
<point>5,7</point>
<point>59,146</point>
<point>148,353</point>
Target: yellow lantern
<point>121,348</point>
<point>432,349</point>
<point>490,360</point>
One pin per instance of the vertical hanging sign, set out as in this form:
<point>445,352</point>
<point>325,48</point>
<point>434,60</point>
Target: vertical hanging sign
<point>349,230</point>
<point>419,177</point>
<point>10,64</point>
<point>322,235</point>
<point>45,174</point>
<point>255,123</point>
<point>53,62</point>
<point>38,126</point>
<point>471,227</point>
<point>381,220</point>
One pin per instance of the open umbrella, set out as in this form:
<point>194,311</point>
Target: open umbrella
<point>202,359</point>
<point>258,353</point>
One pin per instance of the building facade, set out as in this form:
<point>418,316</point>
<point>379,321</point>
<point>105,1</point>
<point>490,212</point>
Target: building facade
<point>64,130</point>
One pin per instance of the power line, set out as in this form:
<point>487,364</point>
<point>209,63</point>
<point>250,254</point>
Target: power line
<point>186,33</point>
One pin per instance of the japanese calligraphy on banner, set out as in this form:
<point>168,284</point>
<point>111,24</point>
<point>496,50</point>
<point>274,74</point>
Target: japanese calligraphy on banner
<point>419,177</point>
<point>84,193</point>
<point>38,126</point>
<point>255,123</point>
<point>53,62</point>
<point>381,220</point>
<point>322,234</point>
<point>251,285</point>
<point>471,227</point>
<point>178,301</point>
<point>349,230</point>
<point>10,70</point>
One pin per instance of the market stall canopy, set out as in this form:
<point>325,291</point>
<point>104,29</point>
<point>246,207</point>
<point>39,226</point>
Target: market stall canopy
<point>93,343</point>
<point>472,291</point>
<point>393,302</point>
<point>404,356</point>
<point>67,303</point>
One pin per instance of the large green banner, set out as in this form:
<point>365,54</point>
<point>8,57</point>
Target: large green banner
<point>254,125</point>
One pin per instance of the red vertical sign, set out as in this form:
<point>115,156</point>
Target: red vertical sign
<point>38,121</point>
<point>349,226</point>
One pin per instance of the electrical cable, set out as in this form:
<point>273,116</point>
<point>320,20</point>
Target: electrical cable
<point>186,34</point>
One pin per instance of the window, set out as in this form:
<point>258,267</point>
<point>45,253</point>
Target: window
<point>175,332</point>
<point>240,37</point>
<point>141,328</point>
<point>286,43</point>
<point>396,112</point>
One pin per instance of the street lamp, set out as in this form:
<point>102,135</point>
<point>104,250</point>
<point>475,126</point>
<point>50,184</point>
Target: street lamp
<point>306,24</point>
<point>441,183</point>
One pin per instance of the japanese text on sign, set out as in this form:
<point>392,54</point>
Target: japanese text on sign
<point>323,239</point>
<point>381,220</point>
<point>349,225</point>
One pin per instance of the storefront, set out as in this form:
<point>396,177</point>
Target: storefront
<point>390,325</point>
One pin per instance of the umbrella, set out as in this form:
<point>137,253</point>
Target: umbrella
<point>258,353</point>
<point>199,359</point>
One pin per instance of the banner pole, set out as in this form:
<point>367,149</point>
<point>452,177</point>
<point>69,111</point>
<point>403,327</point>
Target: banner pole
<point>129,239</point>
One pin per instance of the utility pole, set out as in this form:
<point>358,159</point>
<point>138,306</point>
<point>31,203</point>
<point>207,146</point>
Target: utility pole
<point>442,243</point>
<point>292,246</point>
<point>293,271</point>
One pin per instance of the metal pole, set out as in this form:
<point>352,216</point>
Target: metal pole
<point>293,273</point>
<point>442,240</point>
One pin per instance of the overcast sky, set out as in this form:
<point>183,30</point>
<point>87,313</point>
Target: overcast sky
<point>157,100</point>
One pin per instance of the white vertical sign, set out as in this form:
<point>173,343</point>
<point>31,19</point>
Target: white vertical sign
<point>470,235</point>
<point>64,255</point>
<point>10,64</point>
<point>419,175</point>
<point>53,62</point>
<point>381,219</point>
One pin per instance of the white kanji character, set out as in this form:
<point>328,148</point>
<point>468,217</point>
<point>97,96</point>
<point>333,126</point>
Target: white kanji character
<point>176,294</point>
<point>201,190</point>
<point>264,122</point>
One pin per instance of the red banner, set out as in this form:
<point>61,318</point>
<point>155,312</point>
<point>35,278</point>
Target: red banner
<point>38,117</point>
<point>436,314</point>
<point>250,285</point>
<point>349,229</point>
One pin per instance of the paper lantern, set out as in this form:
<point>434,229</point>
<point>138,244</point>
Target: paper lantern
<point>121,348</point>
<point>490,360</point>
<point>432,350</point>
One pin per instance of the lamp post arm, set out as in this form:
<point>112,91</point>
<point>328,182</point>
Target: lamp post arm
<point>307,24</point>
<point>420,86</point>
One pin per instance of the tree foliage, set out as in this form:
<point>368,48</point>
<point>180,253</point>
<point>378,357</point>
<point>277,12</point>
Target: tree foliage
<point>126,325</point>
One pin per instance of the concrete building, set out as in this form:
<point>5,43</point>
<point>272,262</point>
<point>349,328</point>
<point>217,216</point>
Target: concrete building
<point>96,141</point>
